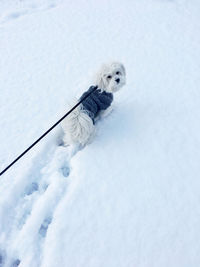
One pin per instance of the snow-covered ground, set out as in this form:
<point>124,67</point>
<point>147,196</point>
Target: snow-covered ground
<point>131,198</point>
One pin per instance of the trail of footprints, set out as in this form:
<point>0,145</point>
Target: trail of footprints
<point>33,193</point>
<point>38,186</point>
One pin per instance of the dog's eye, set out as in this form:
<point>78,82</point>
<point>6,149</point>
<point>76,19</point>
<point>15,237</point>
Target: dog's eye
<point>109,76</point>
<point>118,72</point>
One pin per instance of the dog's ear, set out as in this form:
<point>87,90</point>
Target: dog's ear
<point>120,66</point>
<point>123,68</point>
<point>100,80</point>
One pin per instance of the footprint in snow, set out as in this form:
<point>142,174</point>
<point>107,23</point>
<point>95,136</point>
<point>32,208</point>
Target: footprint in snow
<point>1,260</point>
<point>65,170</point>
<point>31,188</point>
<point>15,263</point>
<point>44,226</point>
<point>2,257</point>
<point>14,15</point>
<point>32,9</point>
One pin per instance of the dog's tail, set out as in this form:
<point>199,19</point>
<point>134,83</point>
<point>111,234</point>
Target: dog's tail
<point>78,127</point>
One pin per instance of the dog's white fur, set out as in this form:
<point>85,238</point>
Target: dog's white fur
<point>78,127</point>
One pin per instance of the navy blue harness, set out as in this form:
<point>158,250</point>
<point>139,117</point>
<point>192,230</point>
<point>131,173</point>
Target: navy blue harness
<point>96,102</point>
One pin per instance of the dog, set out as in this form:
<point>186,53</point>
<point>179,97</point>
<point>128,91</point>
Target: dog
<point>79,125</point>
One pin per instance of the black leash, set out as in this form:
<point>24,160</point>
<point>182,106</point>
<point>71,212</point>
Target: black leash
<point>22,154</point>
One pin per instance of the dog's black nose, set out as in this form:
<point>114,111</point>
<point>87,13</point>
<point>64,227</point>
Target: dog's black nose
<point>117,80</point>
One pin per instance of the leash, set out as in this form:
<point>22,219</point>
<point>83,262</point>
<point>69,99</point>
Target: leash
<point>49,130</point>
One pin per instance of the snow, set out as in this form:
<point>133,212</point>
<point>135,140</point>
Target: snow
<point>131,198</point>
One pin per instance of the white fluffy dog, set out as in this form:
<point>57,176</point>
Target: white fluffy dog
<point>79,125</point>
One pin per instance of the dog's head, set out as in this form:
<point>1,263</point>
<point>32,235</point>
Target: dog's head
<point>111,77</point>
